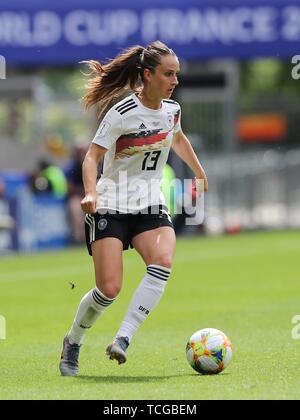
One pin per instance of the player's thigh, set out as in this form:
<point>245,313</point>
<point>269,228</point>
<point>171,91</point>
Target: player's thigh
<point>107,257</point>
<point>156,246</point>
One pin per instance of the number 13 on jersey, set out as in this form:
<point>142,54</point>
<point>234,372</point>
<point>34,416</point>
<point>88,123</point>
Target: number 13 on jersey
<point>150,160</point>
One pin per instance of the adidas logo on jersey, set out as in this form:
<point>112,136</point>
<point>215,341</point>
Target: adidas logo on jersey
<point>142,127</point>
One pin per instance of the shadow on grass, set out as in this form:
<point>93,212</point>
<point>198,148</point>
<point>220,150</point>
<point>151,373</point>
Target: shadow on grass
<point>139,379</point>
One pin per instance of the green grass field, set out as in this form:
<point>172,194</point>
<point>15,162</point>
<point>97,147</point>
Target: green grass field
<point>247,285</point>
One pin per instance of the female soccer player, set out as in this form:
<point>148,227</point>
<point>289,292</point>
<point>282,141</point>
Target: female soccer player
<point>126,208</point>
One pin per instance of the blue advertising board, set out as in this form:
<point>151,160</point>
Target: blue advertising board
<point>39,221</point>
<point>42,32</point>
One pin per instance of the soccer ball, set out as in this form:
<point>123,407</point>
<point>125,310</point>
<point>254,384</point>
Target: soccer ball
<point>209,351</point>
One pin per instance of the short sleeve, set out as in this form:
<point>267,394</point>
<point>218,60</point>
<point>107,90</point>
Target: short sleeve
<point>177,120</point>
<point>110,129</point>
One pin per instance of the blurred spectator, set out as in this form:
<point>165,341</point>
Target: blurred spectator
<point>6,221</point>
<point>49,178</point>
<point>2,188</point>
<point>76,192</point>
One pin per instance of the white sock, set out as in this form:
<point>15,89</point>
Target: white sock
<point>91,307</point>
<point>145,298</point>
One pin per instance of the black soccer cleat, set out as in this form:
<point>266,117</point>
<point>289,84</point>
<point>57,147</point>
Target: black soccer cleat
<point>68,365</point>
<point>117,349</point>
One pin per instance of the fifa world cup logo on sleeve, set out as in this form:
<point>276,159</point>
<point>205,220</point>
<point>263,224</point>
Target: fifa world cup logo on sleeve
<point>2,68</point>
<point>2,328</point>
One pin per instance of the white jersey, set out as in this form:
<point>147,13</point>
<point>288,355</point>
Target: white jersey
<point>138,140</point>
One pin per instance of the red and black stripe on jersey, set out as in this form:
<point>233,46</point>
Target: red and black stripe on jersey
<point>143,138</point>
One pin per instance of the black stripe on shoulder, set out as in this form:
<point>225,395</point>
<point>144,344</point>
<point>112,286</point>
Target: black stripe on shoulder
<point>128,109</point>
<point>169,101</point>
<point>129,102</point>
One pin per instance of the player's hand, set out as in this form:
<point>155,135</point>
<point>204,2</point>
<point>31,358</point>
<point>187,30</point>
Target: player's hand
<point>200,185</point>
<point>88,204</point>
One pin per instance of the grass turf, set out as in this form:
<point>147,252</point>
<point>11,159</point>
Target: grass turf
<point>246,285</point>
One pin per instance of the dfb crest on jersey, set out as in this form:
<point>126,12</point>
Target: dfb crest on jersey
<point>170,120</point>
<point>102,224</point>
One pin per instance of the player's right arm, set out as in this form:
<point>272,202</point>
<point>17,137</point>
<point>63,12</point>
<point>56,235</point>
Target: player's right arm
<point>108,132</point>
<point>89,176</point>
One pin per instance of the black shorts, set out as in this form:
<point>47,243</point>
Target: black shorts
<point>124,226</point>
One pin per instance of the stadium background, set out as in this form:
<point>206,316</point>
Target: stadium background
<point>239,91</point>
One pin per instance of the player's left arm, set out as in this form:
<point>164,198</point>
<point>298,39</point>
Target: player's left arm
<point>185,151</point>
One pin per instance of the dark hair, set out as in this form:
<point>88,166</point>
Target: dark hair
<point>124,72</point>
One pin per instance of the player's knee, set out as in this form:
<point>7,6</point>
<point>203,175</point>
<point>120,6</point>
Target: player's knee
<point>110,288</point>
<point>111,292</point>
<point>164,260</point>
